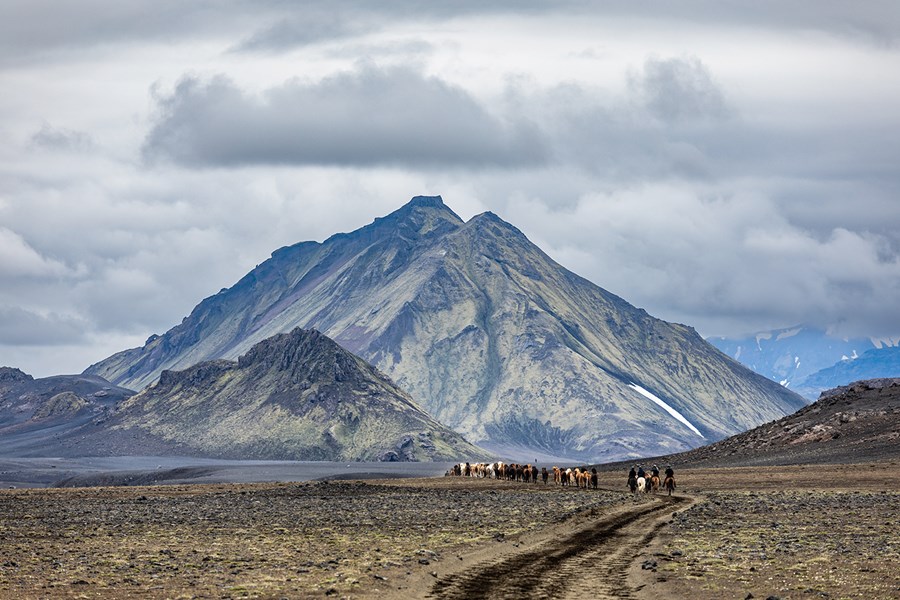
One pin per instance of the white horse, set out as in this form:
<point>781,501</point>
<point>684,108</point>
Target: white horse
<point>642,485</point>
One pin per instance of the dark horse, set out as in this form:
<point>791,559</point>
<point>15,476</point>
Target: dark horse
<point>632,484</point>
<point>669,484</point>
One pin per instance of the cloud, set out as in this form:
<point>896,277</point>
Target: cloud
<point>372,116</point>
<point>679,89</point>
<point>40,29</point>
<point>54,138</point>
<point>22,327</point>
<point>721,262</point>
<point>312,27</point>
<point>669,121</point>
<point>20,260</point>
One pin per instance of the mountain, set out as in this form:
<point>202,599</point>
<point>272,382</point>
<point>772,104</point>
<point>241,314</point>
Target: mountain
<point>489,334</point>
<point>35,412</point>
<point>850,424</point>
<point>790,355</point>
<point>877,363</point>
<point>809,360</point>
<point>294,396</point>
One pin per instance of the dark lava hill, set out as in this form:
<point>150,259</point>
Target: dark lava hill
<point>294,396</point>
<point>851,424</point>
<point>36,412</point>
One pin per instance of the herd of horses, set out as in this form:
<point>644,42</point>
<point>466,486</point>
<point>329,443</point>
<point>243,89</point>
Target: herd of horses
<point>579,477</point>
<point>650,484</point>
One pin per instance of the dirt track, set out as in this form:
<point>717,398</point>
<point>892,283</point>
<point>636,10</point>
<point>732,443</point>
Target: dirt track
<point>606,548</point>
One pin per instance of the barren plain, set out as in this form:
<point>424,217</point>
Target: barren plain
<point>824,531</point>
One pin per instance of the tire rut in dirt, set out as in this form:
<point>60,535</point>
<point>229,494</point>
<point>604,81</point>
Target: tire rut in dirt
<point>590,563</point>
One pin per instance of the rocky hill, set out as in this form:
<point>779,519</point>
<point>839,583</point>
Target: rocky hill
<point>35,412</point>
<point>488,333</point>
<point>850,424</point>
<point>295,396</point>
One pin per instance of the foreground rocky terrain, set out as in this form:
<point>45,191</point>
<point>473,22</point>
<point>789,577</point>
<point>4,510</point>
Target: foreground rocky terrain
<point>790,532</point>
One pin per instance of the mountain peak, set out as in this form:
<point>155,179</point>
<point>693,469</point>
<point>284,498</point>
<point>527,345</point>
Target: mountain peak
<point>427,202</point>
<point>423,215</point>
<point>13,374</point>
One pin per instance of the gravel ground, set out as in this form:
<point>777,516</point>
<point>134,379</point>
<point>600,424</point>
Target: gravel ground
<point>796,544</point>
<point>792,533</point>
<point>259,540</point>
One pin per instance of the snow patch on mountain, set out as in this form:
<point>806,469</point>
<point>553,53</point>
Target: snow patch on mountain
<point>885,342</point>
<point>665,407</point>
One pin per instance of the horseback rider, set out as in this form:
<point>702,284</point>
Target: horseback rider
<point>641,472</point>
<point>632,480</point>
<point>655,471</point>
<point>670,479</point>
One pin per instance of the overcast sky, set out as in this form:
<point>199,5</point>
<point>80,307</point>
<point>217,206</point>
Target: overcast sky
<point>733,166</point>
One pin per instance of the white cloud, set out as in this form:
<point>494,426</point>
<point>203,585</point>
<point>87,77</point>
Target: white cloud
<point>21,260</point>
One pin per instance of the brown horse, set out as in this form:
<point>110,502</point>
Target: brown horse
<point>653,483</point>
<point>670,484</point>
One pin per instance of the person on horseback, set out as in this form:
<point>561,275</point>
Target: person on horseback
<point>670,479</point>
<point>641,472</point>
<point>632,480</point>
<point>655,471</point>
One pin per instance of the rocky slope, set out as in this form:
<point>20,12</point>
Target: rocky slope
<point>849,424</point>
<point>295,396</point>
<point>34,412</point>
<point>492,336</point>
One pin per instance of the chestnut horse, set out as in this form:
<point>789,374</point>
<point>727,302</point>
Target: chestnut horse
<point>670,484</point>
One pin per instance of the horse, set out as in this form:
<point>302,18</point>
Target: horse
<point>670,484</point>
<point>653,483</point>
<point>642,485</point>
<point>632,484</point>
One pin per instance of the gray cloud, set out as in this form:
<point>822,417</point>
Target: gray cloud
<point>679,89</point>
<point>22,327</point>
<point>36,29</point>
<point>371,116</point>
<point>55,138</point>
<point>309,28</point>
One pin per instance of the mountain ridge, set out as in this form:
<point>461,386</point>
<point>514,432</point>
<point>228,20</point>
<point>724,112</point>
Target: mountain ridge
<point>294,396</point>
<point>491,335</point>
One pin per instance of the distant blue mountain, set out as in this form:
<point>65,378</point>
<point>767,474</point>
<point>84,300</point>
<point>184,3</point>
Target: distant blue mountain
<point>873,364</point>
<point>790,355</point>
<point>809,360</point>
